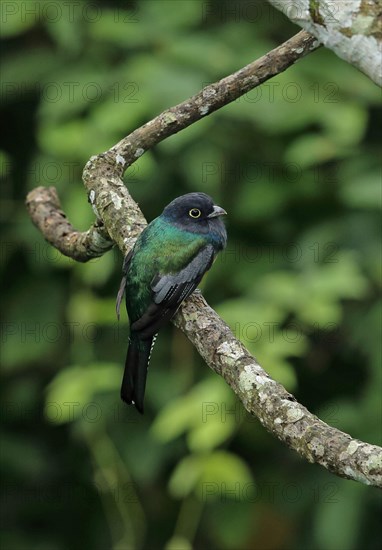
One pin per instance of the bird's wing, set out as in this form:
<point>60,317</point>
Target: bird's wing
<point>122,286</point>
<point>169,291</point>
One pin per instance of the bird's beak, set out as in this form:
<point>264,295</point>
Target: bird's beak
<point>217,211</point>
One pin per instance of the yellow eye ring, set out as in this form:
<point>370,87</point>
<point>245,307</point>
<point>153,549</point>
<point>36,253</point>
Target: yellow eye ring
<point>195,213</point>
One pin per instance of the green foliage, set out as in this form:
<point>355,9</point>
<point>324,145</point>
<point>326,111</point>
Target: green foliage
<point>205,473</point>
<point>78,386</point>
<point>295,164</point>
<point>184,415</point>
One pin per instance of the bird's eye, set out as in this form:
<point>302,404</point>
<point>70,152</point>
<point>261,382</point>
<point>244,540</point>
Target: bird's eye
<point>195,213</point>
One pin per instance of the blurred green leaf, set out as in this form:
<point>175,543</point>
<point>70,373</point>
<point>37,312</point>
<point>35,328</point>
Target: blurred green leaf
<point>341,511</point>
<point>201,414</point>
<point>16,19</point>
<point>314,149</point>
<point>70,395</point>
<point>364,192</point>
<point>211,433</point>
<point>209,474</point>
<point>178,543</point>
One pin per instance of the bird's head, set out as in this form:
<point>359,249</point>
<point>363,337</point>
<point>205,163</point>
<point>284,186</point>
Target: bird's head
<point>195,212</point>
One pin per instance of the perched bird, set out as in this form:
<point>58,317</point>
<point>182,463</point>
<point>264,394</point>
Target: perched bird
<point>164,267</point>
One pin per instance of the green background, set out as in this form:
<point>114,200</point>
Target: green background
<point>296,165</point>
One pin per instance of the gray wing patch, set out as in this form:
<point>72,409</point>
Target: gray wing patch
<point>170,290</point>
<point>165,286</point>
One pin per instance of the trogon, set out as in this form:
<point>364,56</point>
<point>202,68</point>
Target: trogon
<point>163,268</point>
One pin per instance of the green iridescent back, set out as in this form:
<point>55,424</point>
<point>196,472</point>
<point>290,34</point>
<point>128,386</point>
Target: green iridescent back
<point>161,248</point>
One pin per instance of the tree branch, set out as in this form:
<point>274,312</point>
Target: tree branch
<point>351,28</point>
<point>269,401</point>
<point>45,210</point>
<point>276,409</point>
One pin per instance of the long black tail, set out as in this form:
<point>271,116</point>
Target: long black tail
<point>134,377</point>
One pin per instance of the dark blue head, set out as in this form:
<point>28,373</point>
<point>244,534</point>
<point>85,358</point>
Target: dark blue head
<point>196,212</point>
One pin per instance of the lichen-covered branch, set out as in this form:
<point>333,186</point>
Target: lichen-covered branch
<point>269,401</point>
<point>351,28</point>
<point>276,409</point>
<point>45,210</point>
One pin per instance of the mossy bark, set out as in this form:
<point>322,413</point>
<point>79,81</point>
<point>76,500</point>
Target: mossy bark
<point>351,28</point>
